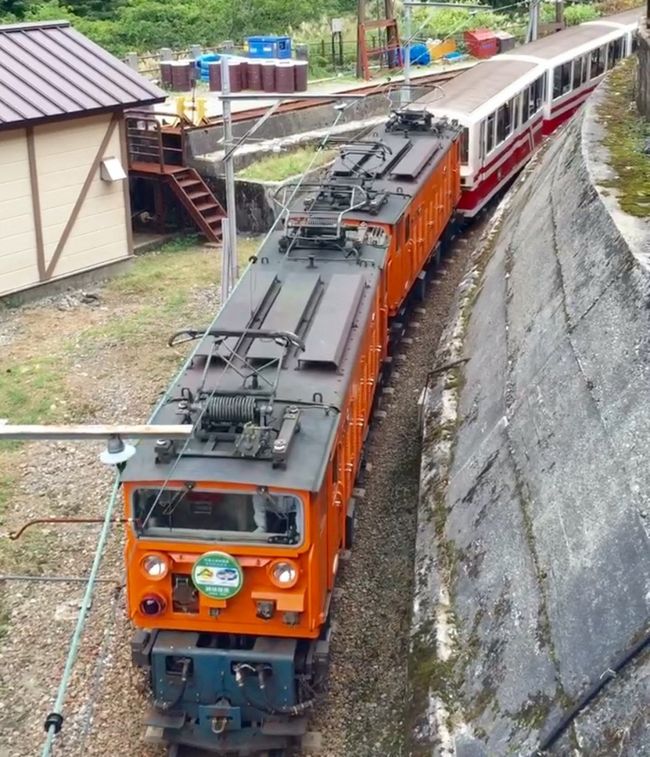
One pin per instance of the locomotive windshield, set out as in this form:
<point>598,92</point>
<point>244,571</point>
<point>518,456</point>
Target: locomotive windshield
<point>260,518</point>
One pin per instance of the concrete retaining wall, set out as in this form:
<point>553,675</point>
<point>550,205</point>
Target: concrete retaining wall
<point>534,572</point>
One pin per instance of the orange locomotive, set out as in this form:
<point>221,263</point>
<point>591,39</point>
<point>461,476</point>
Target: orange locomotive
<point>236,535</point>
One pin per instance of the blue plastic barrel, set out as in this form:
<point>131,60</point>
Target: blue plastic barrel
<point>202,64</point>
<point>419,55</point>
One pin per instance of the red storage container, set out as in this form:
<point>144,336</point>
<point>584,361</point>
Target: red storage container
<point>285,78</point>
<point>482,43</point>
<point>243,70</point>
<point>301,70</point>
<point>268,75</point>
<point>254,75</point>
<point>214,76</point>
<point>166,73</point>
<point>234,71</point>
<point>182,75</point>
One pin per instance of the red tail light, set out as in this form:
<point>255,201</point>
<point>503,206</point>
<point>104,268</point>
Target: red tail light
<point>152,604</point>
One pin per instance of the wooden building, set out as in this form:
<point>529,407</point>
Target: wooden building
<point>64,195</point>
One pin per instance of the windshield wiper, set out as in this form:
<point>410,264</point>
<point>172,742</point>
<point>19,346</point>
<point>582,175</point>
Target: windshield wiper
<point>169,507</point>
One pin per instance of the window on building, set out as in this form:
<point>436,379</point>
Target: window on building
<point>489,134</point>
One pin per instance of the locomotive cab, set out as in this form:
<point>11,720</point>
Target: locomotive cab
<point>222,585</point>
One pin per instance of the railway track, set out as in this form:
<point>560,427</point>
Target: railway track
<point>362,712</point>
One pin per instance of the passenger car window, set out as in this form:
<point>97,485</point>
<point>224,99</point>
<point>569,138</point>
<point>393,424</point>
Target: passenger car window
<point>525,105</point>
<point>577,72</point>
<point>489,134</point>
<point>464,146</point>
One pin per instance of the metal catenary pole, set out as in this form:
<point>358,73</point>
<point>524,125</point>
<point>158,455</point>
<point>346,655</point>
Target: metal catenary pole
<point>406,90</point>
<point>229,249</point>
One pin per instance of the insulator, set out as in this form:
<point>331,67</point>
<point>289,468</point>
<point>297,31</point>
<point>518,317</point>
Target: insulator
<point>231,409</point>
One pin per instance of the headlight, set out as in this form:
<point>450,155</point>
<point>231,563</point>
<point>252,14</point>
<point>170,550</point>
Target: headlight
<point>283,573</point>
<point>155,566</point>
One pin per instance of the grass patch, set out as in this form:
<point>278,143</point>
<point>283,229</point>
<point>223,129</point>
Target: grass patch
<point>33,390</point>
<point>280,167</point>
<point>160,283</point>
<point>7,483</point>
<point>625,135</point>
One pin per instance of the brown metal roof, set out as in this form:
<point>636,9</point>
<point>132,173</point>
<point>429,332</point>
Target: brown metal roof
<point>49,71</point>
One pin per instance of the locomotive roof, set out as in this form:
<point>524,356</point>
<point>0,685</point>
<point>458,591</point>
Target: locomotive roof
<point>400,163</point>
<point>316,281</point>
<point>325,303</point>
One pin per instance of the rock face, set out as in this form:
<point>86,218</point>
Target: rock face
<point>543,517</point>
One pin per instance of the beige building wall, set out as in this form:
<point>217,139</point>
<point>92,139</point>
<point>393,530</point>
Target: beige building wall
<point>63,218</point>
<point>18,268</point>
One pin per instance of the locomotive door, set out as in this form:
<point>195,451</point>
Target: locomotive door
<point>335,512</point>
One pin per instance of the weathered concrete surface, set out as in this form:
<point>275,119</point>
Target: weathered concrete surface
<point>538,564</point>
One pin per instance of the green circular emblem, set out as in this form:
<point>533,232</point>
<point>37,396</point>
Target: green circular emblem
<point>217,575</point>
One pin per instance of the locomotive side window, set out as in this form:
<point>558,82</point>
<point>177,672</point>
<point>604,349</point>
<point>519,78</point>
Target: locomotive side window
<point>260,518</point>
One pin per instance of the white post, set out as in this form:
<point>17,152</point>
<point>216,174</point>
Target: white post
<point>229,250</point>
<point>225,260</point>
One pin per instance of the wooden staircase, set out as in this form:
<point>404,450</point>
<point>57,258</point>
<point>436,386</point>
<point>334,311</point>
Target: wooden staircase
<point>157,154</point>
<point>197,199</point>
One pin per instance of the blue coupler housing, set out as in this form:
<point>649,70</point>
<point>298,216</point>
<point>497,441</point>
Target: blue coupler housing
<point>207,694</point>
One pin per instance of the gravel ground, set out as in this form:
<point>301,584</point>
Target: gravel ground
<point>364,712</point>
<point>102,373</point>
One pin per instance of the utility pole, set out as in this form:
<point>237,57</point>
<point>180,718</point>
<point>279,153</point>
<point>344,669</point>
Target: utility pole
<point>406,90</point>
<point>361,35</point>
<point>229,267</point>
<point>533,21</point>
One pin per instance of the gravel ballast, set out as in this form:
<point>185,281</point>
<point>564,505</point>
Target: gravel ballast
<point>118,376</point>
